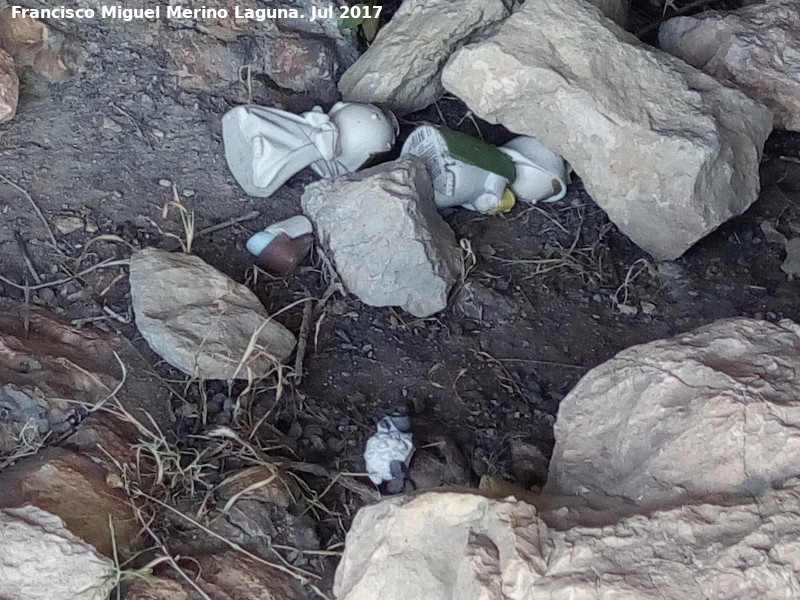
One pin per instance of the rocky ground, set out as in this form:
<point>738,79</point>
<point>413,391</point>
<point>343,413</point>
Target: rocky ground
<point>549,291</point>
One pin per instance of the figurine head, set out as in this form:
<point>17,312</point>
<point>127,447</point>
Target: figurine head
<point>364,130</point>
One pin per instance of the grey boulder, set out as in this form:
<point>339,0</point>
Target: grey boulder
<point>667,151</point>
<point>201,321</point>
<point>401,69</point>
<point>755,48</point>
<point>389,245</point>
<point>711,412</point>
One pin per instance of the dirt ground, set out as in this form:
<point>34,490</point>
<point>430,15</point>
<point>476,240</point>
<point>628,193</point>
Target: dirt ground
<point>554,290</point>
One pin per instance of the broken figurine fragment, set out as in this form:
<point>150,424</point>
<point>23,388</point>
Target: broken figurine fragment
<point>470,173</point>
<point>388,452</point>
<point>265,146</point>
<point>282,246</point>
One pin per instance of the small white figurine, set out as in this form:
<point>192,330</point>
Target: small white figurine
<point>265,146</point>
<point>388,453</point>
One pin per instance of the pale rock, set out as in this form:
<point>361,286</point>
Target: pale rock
<point>441,546</point>
<point>755,48</point>
<point>711,412</point>
<point>401,69</point>
<point>201,321</point>
<point>390,245</point>
<point>667,151</point>
<point>41,560</point>
<point>66,224</point>
<point>9,87</point>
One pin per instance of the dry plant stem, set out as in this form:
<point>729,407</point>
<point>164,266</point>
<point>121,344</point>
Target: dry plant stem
<point>302,341</point>
<point>248,217</point>
<point>167,556</point>
<point>32,288</point>
<point>36,208</point>
<point>300,574</point>
<point>23,250</point>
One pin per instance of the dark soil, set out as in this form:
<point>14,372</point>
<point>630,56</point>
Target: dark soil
<point>555,291</point>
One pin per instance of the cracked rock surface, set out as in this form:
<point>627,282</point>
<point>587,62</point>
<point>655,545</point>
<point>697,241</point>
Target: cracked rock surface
<point>712,412</point>
<point>389,244</point>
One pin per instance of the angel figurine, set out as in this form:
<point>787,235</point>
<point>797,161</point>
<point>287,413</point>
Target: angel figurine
<point>265,146</point>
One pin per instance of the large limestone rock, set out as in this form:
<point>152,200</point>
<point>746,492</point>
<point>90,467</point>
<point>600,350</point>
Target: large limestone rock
<point>714,411</point>
<point>401,69</point>
<point>201,321</point>
<point>667,151</point>
<point>40,560</point>
<point>389,244</point>
<point>756,48</point>
<point>440,546</point>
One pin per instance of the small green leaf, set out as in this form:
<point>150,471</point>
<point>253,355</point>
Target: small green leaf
<point>353,22</point>
<point>476,152</point>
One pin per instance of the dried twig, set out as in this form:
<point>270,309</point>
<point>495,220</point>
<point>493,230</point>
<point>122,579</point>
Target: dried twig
<point>32,288</point>
<point>302,341</point>
<point>36,208</point>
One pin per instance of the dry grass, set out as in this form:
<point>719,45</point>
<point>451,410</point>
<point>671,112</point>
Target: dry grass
<point>27,443</point>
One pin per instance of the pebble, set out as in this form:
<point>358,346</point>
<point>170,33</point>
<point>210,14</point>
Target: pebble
<point>165,183</point>
<point>66,224</point>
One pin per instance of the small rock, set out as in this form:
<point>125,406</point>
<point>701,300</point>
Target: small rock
<point>667,151</point>
<point>772,235</point>
<point>303,64</point>
<point>713,411</point>
<point>401,69</point>
<point>66,224</point>
<point>528,464</point>
<point>41,560</point>
<point>91,225</point>
<point>756,48</point>
<point>388,243</point>
<point>203,330</point>
<point>165,183</point>
<point>648,308</point>
<point>111,125</point>
<point>791,265</point>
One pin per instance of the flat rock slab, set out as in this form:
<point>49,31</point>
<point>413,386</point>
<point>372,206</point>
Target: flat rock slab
<point>201,321</point>
<point>41,560</point>
<point>711,412</point>
<point>401,69</point>
<point>440,546</point>
<point>756,48</point>
<point>389,244</point>
<point>666,150</point>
